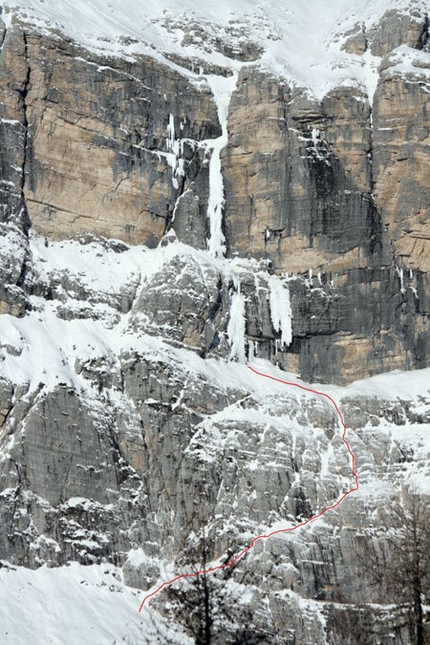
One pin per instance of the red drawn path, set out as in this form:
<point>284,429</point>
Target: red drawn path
<point>286,530</point>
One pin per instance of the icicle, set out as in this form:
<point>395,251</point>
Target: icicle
<point>280,309</point>
<point>174,149</point>
<point>170,133</point>
<point>236,325</point>
<point>399,272</point>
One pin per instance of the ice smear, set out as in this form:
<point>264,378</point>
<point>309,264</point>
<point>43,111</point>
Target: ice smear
<point>174,149</point>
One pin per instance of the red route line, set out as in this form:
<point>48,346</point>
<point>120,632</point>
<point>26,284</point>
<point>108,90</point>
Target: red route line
<point>291,528</point>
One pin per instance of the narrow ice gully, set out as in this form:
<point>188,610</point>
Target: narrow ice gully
<point>222,89</point>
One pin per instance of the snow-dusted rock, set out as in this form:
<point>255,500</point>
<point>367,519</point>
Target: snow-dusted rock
<point>183,195</point>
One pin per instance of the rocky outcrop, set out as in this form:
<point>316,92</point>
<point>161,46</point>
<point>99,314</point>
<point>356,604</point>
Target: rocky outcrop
<point>298,172</point>
<point>111,144</point>
<point>395,28</point>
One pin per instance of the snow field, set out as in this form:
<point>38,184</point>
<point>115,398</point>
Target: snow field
<point>73,605</point>
<point>300,44</point>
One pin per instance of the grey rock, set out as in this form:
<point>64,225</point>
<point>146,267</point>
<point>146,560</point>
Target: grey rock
<point>395,28</point>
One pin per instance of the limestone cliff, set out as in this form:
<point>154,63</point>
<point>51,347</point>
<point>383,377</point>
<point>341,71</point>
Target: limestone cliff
<point>335,188</point>
<point>168,215</point>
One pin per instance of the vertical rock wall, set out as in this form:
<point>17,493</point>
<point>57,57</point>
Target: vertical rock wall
<point>337,190</point>
<point>334,191</point>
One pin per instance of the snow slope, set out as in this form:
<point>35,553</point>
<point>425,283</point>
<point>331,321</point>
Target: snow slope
<point>297,38</point>
<point>45,345</point>
<point>75,604</point>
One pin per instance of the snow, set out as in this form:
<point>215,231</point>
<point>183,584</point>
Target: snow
<point>99,268</point>
<point>136,557</point>
<point>82,503</point>
<point>47,347</point>
<point>395,385</point>
<point>408,61</point>
<point>300,44</point>
<point>75,604</point>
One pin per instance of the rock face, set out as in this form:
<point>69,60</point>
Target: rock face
<point>285,186</point>
<point>131,430</point>
<point>125,434</point>
<point>401,140</point>
<point>102,152</point>
<point>122,149</point>
<point>298,173</point>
